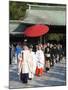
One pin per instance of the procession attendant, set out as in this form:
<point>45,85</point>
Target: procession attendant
<point>61,53</point>
<point>40,61</point>
<point>55,53</point>
<point>47,58</point>
<point>51,52</point>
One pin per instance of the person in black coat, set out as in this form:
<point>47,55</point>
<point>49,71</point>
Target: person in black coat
<point>55,53</point>
<point>47,58</point>
<point>51,52</point>
<point>60,52</point>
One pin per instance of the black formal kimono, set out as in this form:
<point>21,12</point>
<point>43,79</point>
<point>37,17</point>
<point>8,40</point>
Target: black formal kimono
<point>47,58</point>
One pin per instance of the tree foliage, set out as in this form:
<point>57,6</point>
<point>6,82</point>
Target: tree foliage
<point>55,36</point>
<point>17,10</point>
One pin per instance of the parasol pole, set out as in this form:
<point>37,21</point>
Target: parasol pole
<point>44,39</point>
<point>40,39</point>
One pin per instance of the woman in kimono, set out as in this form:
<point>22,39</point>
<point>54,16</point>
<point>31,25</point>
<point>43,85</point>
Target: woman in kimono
<point>40,61</point>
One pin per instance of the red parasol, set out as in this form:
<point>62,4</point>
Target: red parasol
<point>36,30</point>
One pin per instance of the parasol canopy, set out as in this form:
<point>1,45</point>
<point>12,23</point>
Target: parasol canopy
<point>36,30</point>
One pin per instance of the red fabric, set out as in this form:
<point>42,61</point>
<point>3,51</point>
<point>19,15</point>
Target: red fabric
<point>36,30</point>
<point>39,71</point>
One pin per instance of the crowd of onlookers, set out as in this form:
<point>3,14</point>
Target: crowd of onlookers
<point>35,59</point>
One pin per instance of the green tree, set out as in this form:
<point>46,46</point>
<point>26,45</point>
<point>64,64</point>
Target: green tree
<point>17,10</point>
<point>55,36</point>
